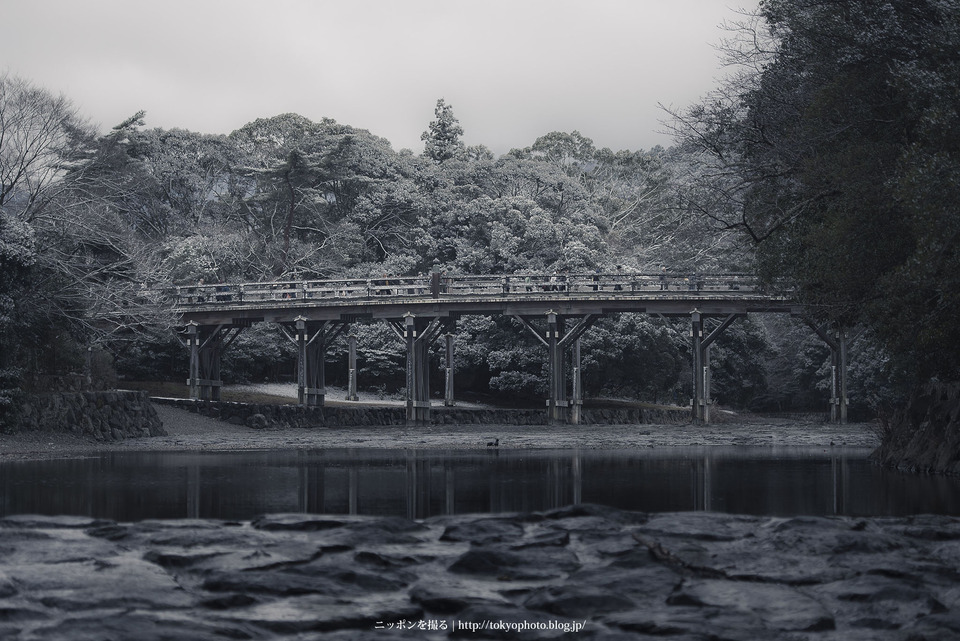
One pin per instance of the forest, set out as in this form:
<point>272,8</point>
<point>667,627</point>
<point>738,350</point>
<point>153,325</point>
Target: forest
<point>827,160</point>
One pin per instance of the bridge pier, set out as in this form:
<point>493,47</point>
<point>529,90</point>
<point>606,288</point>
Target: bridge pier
<point>557,339</point>
<point>206,344</point>
<point>838,342</point>
<point>701,362</point>
<point>419,333</point>
<point>311,339</point>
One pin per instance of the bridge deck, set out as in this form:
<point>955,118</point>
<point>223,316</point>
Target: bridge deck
<point>393,297</point>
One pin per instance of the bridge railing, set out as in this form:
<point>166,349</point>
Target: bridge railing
<point>391,287</point>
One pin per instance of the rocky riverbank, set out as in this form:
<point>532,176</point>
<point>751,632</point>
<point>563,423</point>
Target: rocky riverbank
<point>186,431</point>
<point>925,435</point>
<point>99,416</point>
<point>263,415</point>
<point>578,572</point>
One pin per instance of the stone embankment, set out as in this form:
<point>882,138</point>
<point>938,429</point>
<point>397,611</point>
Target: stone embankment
<point>580,572</point>
<point>925,435</point>
<point>101,416</point>
<point>295,416</point>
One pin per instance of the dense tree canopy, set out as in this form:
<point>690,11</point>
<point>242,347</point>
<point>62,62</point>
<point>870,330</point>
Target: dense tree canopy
<point>835,149</point>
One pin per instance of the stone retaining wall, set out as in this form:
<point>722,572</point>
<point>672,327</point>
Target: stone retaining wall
<point>925,435</point>
<point>266,415</point>
<point>103,416</point>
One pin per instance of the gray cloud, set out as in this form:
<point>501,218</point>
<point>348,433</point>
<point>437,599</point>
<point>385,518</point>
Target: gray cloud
<point>512,69</point>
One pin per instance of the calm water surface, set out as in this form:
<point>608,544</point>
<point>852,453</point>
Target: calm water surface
<point>421,483</point>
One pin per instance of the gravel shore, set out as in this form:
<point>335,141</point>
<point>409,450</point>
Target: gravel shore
<point>190,432</point>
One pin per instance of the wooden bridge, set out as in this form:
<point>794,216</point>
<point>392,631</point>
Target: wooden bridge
<point>557,309</point>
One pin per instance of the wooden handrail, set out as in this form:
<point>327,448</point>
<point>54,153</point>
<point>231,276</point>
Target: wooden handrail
<point>454,286</point>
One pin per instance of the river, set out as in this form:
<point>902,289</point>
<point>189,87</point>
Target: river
<point>419,483</point>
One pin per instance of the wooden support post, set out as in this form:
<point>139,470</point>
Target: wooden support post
<point>316,391</point>
<point>576,403</point>
<point>210,367</point>
<point>301,340</point>
<point>352,368</point>
<point>698,401</point>
<point>419,334</point>
<point>206,344</point>
<point>834,367</point>
<point>311,339</point>
<point>410,337</point>
<point>193,344</point>
<point>557,401</point>
<point>706,384</point>
<point>702,375</point>
<point>557,340</point>
<point>842,396</point>
<point>838,344</point>
<point>834,384</point>
<point>311,373</point>
<point>563,402</point>
<point>422,382</point>
<point>448,398</point>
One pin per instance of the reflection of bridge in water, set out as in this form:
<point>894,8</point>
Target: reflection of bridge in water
<point>556,309</point>
<point>790,480</point>
<point>421,484</point>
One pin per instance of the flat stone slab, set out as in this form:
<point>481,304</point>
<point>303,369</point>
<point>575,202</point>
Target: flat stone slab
<point>577,572</point>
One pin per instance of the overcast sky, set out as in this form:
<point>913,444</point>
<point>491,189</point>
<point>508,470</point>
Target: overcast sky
<point>512,70</point>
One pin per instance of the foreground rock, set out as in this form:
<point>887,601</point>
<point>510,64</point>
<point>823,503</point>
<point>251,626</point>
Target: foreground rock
<point>598,572</point>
